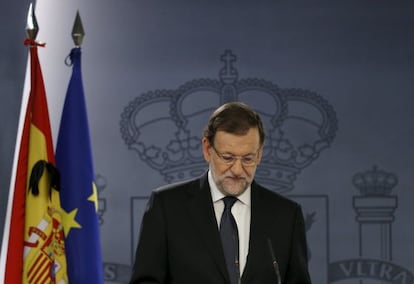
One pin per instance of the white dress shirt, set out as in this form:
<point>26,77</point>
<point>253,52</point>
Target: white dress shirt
<point>241,212</point>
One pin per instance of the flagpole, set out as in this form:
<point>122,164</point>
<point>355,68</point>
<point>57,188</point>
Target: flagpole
<point>32,29</point>
<point>78,33</point>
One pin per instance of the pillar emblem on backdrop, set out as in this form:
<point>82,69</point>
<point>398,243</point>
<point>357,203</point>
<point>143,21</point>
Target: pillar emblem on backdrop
<point>374,206</point>
<point>163,127</point>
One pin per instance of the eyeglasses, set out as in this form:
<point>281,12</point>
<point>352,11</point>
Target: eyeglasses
<point>248,160</point>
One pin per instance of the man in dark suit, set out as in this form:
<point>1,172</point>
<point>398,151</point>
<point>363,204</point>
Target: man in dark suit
<point>223,227</point>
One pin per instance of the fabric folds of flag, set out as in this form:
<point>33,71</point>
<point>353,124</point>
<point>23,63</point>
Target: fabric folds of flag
<point>78,190</point>
<point>36,251</point>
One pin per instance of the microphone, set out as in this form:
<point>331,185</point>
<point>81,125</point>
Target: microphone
<point>274,262</point>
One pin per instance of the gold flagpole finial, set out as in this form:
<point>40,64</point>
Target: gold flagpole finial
<point>32,28</point>
<point>78,32</point>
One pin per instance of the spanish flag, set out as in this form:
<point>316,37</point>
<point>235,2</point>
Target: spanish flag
<point>34,251</point>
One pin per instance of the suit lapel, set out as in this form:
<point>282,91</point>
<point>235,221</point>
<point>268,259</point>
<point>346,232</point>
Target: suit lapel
<point>201,212</point>
<point>258,231</point>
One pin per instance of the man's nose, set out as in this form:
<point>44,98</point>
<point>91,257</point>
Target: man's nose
<point>237,167</point>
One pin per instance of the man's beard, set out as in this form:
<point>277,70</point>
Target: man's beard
<point>229,186</point>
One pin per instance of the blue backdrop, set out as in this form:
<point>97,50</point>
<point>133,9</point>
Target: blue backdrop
<point>333,81</point>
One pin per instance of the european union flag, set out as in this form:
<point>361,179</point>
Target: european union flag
<point>78,191</point>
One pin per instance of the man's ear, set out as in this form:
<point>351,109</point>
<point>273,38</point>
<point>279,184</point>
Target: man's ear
<point>259,159</point>
<point>206,150</point>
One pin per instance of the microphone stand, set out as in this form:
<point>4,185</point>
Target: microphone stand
<point>236,258</point>
<point>274,262</point>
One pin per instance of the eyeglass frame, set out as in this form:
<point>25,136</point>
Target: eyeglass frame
<point>234,158</point>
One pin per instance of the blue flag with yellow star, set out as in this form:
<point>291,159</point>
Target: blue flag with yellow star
<point>78,191</point>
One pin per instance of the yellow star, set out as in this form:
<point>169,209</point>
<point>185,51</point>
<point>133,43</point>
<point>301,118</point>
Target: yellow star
<point>94,196</point>
<point>69,221</point>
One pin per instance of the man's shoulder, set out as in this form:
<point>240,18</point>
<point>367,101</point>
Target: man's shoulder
<point>273,197</point>
<point>175,185</point>
<point>180,187</point>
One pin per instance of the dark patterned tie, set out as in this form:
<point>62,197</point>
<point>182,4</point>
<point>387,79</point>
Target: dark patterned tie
<point>230,239</point>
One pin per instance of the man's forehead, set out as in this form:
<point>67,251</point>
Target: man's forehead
<point>227,139</point>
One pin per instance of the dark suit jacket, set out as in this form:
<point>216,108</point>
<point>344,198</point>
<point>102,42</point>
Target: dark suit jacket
<point>180,242</point>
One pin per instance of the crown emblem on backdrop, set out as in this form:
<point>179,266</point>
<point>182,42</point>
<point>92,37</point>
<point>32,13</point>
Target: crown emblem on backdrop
<point>375,182</point>
<point>164,126</point>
